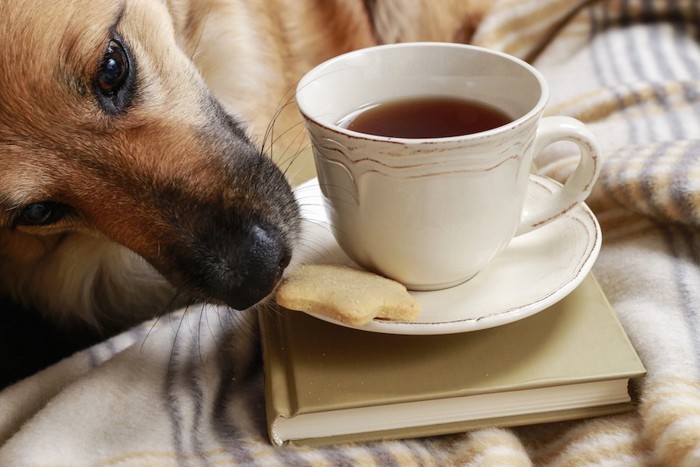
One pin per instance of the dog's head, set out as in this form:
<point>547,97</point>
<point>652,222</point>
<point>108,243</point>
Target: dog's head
<point>107,128</point>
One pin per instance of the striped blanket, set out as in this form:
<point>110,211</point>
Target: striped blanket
<point>188,389</point>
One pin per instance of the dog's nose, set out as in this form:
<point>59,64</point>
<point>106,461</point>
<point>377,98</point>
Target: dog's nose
<point>259,263</point>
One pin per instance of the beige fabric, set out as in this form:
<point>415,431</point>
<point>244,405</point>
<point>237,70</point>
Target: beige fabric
<point>189,390</point>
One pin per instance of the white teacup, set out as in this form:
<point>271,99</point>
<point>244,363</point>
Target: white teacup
<point>431,213</point>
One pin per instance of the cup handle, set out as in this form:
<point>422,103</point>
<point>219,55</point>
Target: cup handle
<point>579,185</point>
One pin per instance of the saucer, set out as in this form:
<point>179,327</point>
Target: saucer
<point>535,271</point>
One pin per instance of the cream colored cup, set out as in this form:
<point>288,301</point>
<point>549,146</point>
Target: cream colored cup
<point>431,213</point>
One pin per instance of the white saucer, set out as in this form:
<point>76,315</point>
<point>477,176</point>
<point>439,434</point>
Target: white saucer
<point>534,272</point>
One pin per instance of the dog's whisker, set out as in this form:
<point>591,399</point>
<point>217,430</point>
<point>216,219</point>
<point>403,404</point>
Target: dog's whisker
<point>166,308</point>
<point>288,158</point>
<point>269,131</point>
<point>249,323</point>
<point>202,312</point>
<point>148,333</point>
<point>214,335</point>
<point>287,99</point>
<point>183,316</point>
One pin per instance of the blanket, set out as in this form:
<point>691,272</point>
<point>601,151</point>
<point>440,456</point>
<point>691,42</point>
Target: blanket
<point>187,389</point>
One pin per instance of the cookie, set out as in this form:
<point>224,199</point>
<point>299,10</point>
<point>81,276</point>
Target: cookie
<point>345,294</point>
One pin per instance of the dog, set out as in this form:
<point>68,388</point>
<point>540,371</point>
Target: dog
<point>138,143</point>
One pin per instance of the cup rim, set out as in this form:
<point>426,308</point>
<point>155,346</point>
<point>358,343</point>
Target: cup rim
<point>532,113</point>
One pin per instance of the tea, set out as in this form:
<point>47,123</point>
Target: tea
<point>425,117</point>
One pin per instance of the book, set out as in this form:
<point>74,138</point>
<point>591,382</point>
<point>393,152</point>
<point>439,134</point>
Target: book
<point>325,383</point>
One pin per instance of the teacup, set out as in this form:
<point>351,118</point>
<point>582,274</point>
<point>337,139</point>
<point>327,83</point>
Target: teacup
<point>432,212</point>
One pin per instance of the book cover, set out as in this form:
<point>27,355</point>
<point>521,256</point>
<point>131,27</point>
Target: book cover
<point>326,383</point>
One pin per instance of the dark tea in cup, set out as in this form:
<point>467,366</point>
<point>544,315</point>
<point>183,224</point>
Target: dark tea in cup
<point>425,117</point>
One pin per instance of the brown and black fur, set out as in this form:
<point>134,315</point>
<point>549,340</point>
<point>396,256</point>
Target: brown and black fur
<point>119,202</point>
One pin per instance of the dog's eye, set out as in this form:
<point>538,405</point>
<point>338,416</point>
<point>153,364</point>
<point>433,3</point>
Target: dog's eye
<point>114,80</point>
<point>45,213</point>
<point>113,70</point>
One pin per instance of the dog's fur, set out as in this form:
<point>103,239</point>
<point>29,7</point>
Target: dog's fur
<point>118,203</point>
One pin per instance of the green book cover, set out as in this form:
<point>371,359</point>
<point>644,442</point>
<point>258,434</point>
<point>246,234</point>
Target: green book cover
<point>326,383</point>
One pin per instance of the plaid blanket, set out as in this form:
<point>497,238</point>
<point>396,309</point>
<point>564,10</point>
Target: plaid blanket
<point>187,389</point>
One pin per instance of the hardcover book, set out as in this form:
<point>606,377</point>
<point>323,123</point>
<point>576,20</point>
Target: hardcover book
<point>326,383</point>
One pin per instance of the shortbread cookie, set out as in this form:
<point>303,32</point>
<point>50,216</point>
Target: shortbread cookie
<point>345,294</point>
